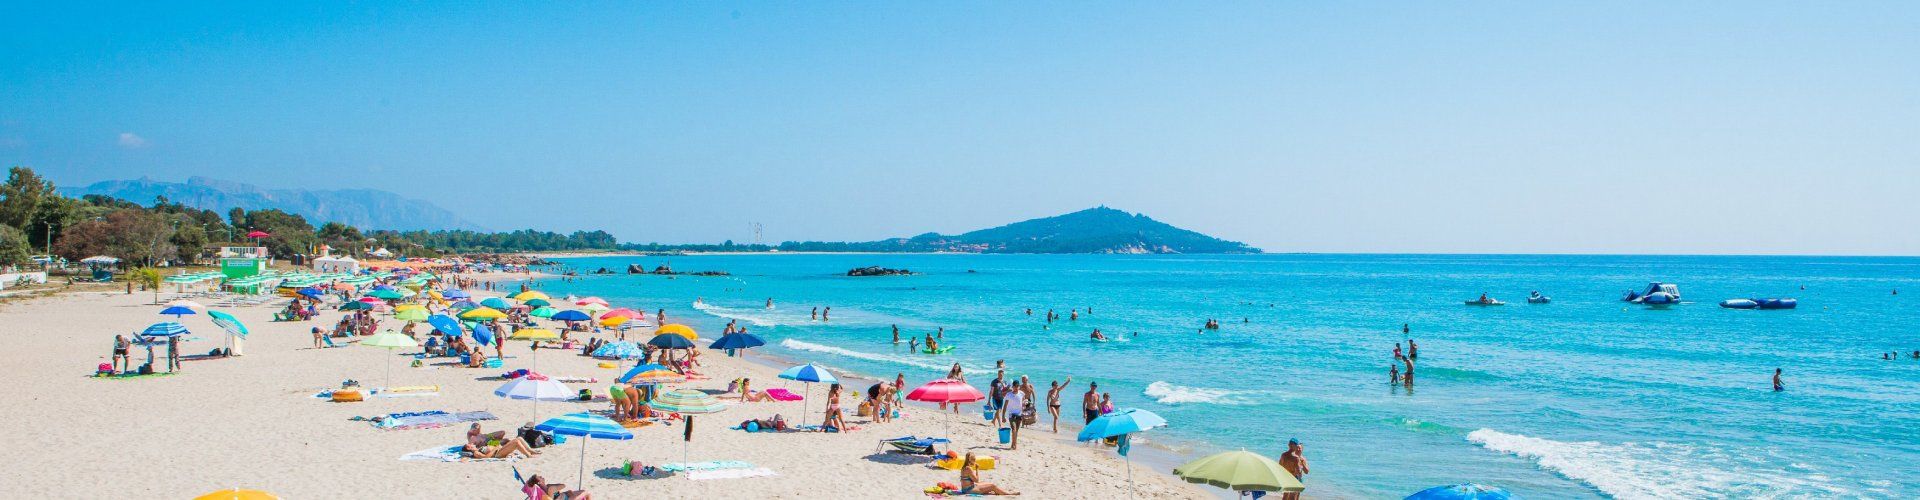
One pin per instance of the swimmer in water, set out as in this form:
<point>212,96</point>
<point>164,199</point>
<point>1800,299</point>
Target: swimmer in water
<point>1097,335</point>
<point>896,334</point>
<point>1778,386</point>
<point>815,314</point>
<point>769,302</point>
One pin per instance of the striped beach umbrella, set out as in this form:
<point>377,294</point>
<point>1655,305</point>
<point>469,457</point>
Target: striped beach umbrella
<point>687,402</point>
<point>587,426</point>
<point>627,378</point>
<point>164,329</point>
<point>808,374</point>
<point>536,387</point>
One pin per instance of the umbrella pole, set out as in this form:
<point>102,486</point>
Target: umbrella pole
<point>583,462</point>
<point>806,403</point>
<point>389,382</point>
<point>1129,457</point>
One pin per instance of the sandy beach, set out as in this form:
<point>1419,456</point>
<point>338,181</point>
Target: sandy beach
<point>252,422</point>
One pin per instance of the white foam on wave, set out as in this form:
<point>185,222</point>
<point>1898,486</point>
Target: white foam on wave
<point>1660,470</point>
<point>1171,394</point>
<point>765,318</point>
<point>909,360</point>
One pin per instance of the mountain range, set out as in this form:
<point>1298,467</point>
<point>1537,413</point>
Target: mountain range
<point>1094,230</point>
<point>361,208</point>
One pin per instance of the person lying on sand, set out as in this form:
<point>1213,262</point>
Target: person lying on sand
<point>477,444</point>
<point>537,488</point>
<point>748,395</point>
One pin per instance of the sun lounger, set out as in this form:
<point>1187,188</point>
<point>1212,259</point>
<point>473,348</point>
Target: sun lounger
<point>779,394</point>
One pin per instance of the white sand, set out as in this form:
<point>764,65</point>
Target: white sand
<point>250,422</point>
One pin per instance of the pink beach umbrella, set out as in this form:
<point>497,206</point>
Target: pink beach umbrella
<point>947,391</point>
<point>622,313</point>
<point>590,300</point>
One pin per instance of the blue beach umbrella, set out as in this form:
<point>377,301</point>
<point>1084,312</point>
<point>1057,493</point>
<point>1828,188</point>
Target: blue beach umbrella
<point>670,342</point>
<point>311,293</point>
<point>482,334</point>
<point>737,341</point>
<point>1122,423</point>
<point>622,350</point>
<point>454,294</point>
<point>585,425</point>
<point>570,315</point>
<point>383,287</point>
<point>808,374</point>
<point>445,324</point>
<point>164,329</point>
<point>639,370</point>
<point>463,305</point>
<point>1462,491</point>
<point>178,311</point>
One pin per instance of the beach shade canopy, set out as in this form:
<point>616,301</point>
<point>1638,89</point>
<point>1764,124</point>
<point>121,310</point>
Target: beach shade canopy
<point>538,303</point>
<point>530,295</point>
<point>496,303</point>
<point>737,341</point>
<point>164,329</point>
<point>1119,423</point>
<point>570,315</point>
<point>229,323</point>
<point>590,300</point>
<point>445,324</point>
<point>1239,471</point>
<point>454,294</point>
<point>388,294</point>
<point>613,321</point>
<point>414,315</point>
<point>535,386</point>
<point>622,349</point>
<point>670,342</point>
<point>945,390</point>
<point>177,311</point>
<point>809,373</point>
<point>677,329</point>
<point>390,340</point>
<point>687,402</point>
<point>641,370</point>
<point>482,313</point>
<point>356,306</point>
<point>237,494</point>
<point>534,334</point>
<point>311,293</point>
<point>258,234</point>
<point>1462,491</point>
<point>621,313</point>
<point>542,312</point>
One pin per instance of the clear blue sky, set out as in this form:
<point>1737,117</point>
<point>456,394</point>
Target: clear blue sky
<point>1617,127</point>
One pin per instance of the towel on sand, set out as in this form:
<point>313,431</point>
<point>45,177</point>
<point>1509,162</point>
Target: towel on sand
<point>450,454</point>
<point>707,465</point>
<point>731,473</point>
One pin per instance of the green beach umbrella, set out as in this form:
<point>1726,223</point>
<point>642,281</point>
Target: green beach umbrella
<point>1239,471</point>
<point>544,312</point>
<point>687,402</point>
<point>389,341</point>
<point>537,303</point>
<point>496,303</point>
<point>415,315</point>
<point>386,294</point>
<point>357,306</point>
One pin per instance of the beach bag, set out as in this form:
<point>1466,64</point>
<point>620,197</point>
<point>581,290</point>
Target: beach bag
<point>106,368</point>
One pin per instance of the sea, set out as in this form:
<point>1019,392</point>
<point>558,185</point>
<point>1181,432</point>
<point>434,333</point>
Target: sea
<point>1587,396</point>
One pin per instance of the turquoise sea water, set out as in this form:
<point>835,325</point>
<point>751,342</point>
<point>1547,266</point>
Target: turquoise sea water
<point>1587,396</point>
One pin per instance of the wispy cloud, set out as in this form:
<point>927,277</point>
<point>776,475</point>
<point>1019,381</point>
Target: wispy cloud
<point>131,140</point>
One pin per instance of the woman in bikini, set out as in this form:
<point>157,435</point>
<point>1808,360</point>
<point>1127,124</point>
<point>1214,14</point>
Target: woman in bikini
<point>478,447</point>
<point>539,489</point>
<point>748,395</point>
<point>1053,401</point>
<point>970,481</point>
<point>833,410</point>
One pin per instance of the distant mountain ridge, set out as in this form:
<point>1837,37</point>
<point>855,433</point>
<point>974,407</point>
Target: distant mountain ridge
<point>362,208</point>
<point>1094,230</point>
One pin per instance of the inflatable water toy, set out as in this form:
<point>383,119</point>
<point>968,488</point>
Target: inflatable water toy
<point>943,350</point>
<point>1739,304</point>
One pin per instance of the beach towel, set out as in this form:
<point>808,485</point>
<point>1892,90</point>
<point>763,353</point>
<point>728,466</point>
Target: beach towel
<point>707,466</point>
<point>450,454</point>
<point>731,473</point>
<point>779,394</point>
<point>575,380</point>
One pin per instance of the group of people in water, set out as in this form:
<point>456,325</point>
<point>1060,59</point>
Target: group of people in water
<point>1407,358</point>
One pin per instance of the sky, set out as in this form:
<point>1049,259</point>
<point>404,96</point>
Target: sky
<point>1452,127</point>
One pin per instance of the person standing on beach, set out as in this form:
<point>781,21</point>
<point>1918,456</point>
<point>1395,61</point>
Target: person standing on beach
<point>1090,402</point>
<point>662,315</point>
<point>1015,403</point>
<point>1295,462</point>
<point>1778,386</point>
<point>173,356</point>
<point>120,359</point>
<point>1053,400</point>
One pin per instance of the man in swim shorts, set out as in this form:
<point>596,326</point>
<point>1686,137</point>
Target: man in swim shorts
<point>1090,402</point>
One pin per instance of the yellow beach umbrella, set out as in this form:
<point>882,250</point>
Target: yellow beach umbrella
<point>407,307</point>
<point>677,329</point>
<point>534,334</point>
<point>613,321</point>
<point>238,494</point>
<point>482,312</point>
<point>435,294</point>
<point>530,295</point>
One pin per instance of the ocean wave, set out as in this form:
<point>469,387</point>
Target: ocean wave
<point>1660,470</point>
<point>800,345</point>
<point>765,318</point>
<point>1171,394</point>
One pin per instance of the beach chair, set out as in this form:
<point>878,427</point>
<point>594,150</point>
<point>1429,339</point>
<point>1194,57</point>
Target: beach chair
<point>779,394</point>
<point>911,445</point>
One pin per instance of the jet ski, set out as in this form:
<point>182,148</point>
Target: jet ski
<point>1537,298</point>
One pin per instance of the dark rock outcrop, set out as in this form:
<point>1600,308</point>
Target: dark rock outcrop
<point>877,271</point>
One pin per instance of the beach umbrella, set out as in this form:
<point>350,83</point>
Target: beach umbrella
<point>178,311</point>
<point>948,391</point>
<point>483,335</point>
<point>311,293</point>
<point>807,374</point>
<point>237,494</point>
<point>405,307</point>
<point>586,426</point>
<point>571,315</point>
<point>185,303</point>
<point>1122,423</point>
<point>415,315</point>
<point>737,341</point>
<point>594,308</point>
<point>1239,471</point>
<point>383,286</point>
<point>164,329</point>
<point>590,300</point>
<point>342,286</point>
<point>454,294</point>
<point>258,234</point>
<point>530,295</point>
<point>613,321</point>
<point>621,313</point>
<point>387,294</point>
<point>482,313</point>
<point>543,312</point>
<point>677,329</point>
<point>389,341</point>
<point>622,350</point>
<point>229,323</point>
<point>463,305</point>
<point>356,306</point>
<point>534,335</point>
<point>371,300</point>
<point>1462,491</point>
<point>670,342</point>
<point>687,403</point>
<point>538,303</point>
<point>496,303</point>
<point>644,369</point>
<point>535,387</point>
<point>445,324</point>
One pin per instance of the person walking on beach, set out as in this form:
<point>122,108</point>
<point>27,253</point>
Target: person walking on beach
<point>1090,402</point>
<point>1053,400</point>
<point>1295,462</point>
<point>1778,386</point>
<point>120,359</point>
<point>1016,401</point>
<point>997,396</point>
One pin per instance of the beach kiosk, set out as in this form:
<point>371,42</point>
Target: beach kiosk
<point>242,262</point>
<point>336,264</point>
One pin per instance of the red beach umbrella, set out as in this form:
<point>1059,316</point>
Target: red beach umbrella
<point>258,234</point>
<point>949,391</point>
